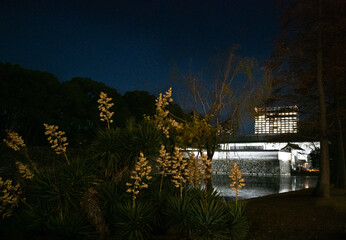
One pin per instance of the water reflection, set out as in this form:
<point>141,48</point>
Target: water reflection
<point>257,186</point>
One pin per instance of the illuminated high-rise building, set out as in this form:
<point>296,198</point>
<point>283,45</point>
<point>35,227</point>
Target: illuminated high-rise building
<point>276,120</point>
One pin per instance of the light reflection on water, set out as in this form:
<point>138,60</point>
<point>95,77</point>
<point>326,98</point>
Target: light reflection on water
<point>257,186</point>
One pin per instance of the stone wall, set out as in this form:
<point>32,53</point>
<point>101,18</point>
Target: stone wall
<point>264,167</point>
<point>285,167</point>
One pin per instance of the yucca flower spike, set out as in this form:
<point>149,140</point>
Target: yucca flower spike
<point>237,180</point>
<point>139,175</point>
<point>57,140</point>
<point>105,105</point>
<point>14,141</point>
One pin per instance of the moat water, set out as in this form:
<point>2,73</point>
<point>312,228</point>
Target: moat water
<point>257,186</point>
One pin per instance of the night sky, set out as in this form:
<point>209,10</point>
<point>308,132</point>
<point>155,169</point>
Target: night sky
<point>132,44</point>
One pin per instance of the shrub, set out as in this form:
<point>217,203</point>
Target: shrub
<point>237,225</point>
<point>178,214</point>
<point>208,220</point>
<point>110,194</point>
<point>83,197</point>
<point>134,222</point>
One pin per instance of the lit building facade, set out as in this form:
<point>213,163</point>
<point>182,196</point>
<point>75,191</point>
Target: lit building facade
<point>266,153</point>
<point>276,120</point>
<point>258,156</point>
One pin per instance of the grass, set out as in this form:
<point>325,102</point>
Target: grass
<point>297,215</point>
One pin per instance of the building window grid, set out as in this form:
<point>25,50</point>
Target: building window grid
<point>276,120</point>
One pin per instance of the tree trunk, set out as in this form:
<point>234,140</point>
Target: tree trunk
<point>210,154</point>
<point>341,169</point>
<point>323,188</point>
<point>339,90</point>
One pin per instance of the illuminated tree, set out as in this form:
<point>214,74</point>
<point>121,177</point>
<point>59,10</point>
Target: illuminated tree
<point>216,102</point>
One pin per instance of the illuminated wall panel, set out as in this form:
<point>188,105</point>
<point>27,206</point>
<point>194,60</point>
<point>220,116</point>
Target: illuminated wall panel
<point>276,120</point>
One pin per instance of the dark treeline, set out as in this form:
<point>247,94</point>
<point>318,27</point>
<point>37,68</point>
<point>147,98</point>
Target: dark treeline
<point>30,98</point>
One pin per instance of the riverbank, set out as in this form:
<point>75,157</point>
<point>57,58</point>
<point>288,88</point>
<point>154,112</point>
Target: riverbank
<point>297,215</point>
<point>305,173</point>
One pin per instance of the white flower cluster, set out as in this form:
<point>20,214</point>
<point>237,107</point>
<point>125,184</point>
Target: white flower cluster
<point>139,175</point>
<point>195,170</point>
<point>199,166</point>
<point>175,124</point>
<point>8,197</point>
<point>164,122</point>
<point>237,180</point>
<point>163,101</point>
<point>105,105</point>
<point>161,112</point>
<point>24,170</point>
<point>164,161</point>
<point>14,141</point>
<point>206,163</point>
<point>180,171</point>
<point>56,138</point>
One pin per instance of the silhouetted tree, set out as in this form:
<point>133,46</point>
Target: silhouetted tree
<point>302,68</point>
<point>30,98</point>
<point>27,99</point>
<point>80,108</point>
<point>140,103</point>
<point>216,101</point>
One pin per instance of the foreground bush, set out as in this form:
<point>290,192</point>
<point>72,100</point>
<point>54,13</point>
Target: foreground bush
<point>112,191</point>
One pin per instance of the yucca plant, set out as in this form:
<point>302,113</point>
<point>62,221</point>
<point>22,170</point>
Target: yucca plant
<point>149,138</point>
<point>110,149</point>
<point>73,225</point>
<point>54,191</point>
<point>35,218</point>
<point>117,149</point>
<point>201,194</point>
<point>110,194</point>
<point>208,220</point>
<point>134,222</point>
<point>158,200</point>
<point>238,227</point>
<point>62,189</point>
<point>40,222</point>
<point>178,214</point>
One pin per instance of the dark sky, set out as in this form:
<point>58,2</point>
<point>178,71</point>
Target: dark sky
<point>131,44</point>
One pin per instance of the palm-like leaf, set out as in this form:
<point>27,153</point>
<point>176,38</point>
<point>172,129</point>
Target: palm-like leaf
<point>238,227</point>
<point>134,222</point>
<point>178,214</point>
<point>118,149</point>
<point>40,221</point>
<point>71,226</point>
<point>209,220</point>
<point>110,195</point>
<point>149,138</point>
<point>60,190</point>
<point>199,193</point>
